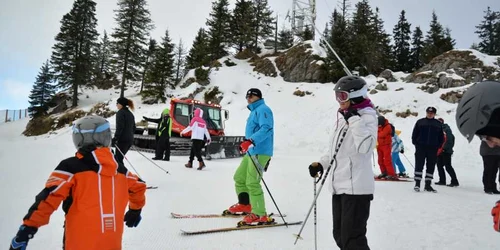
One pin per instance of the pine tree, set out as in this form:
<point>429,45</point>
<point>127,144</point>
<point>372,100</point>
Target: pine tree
<point>42,92</point>
<point>104,55</point>
<point>161,74</point>
<point>344,5</point>
<point>103,72</point>
<point>436,41</point>
<point>198,54</point>
<point>447,43</point>
<point>486,31</point>
<point>219,32</point>
<point>130,38</point>
<point>242,25</point>
<point>402,37</point>
<point>72,56</point>
<point>263,20</point>
<point>362,41</point>
<point>180,61</point>
<point>285,39</point>
<point>339,40</point>
<point>149,56</point>
<point>475,46</point>
<point>307,34</point>
<point>382,51</point>
<point>417,44</point>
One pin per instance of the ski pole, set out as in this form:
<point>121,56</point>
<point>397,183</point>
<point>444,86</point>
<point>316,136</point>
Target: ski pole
<point>150,160</point>
<point>257,166</point>
<point>408,161</point>
<point>334,159</point>
<point>128,162</point>
<point>315,219</point>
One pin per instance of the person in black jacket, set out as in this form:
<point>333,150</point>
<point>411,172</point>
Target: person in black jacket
<point>125,128</point>
<point>444,158</point>
<point>163,133</point>
<point>491,163</point>
<point>427,137</point>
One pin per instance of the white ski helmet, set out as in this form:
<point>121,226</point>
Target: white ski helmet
<point>91,131</point>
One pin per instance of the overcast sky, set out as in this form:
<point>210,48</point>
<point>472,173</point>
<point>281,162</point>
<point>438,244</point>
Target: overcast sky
<point>28,27</point>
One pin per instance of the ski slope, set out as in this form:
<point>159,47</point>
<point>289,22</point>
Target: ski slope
<point>454,218</point>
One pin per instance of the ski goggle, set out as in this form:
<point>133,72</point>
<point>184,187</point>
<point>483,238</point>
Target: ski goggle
<point>342,96</point>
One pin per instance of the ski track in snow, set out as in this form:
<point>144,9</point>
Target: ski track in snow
<point>454,218</point>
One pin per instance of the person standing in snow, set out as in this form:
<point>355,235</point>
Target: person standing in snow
<point>384,146</point>
<point>491,164</point>
<point>163,133</point>
<point>199,131</point>
<point>351,180</point>
<point>258,149</point>
<point>398,147</point>
<point>478,113</point>
<point>444,157</point>
<point>95,191</point>
<point>427,137</point>
<point>125,128</point>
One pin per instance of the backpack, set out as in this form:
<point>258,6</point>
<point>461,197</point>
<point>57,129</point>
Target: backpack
<point>393,130</point>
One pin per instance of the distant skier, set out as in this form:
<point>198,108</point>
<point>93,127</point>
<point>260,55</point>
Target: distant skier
<point>384,149</point>
<point>125,128</point>
<point>95,191</point>
<point>478,113</point>
<point>199,132</point>
<point>427,137</point>
<point>444,157</point>
<point>351,178</point>
<point>163,133</point>
<point>258,146</point>
<point>398,147</point>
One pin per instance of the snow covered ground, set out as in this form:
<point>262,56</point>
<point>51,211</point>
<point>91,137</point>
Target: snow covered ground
<point>454,218</point>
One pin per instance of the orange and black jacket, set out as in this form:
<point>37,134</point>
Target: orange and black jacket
<point>95,191</point>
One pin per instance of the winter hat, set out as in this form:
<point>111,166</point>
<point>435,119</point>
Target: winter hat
<point>381,120</point>
<point>123,101</point>
<point>255,92</point>
<point>431,110</point>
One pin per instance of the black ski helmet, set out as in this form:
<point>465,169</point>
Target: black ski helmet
<point>352,84</point>
<point>476,107</point>
<point>91,131</point>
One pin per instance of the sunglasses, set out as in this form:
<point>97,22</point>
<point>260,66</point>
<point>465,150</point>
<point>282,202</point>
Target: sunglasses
<point>342,96</point>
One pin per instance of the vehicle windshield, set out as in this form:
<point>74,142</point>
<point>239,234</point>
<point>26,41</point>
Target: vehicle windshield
<point>182,113</point>
<point>212,116</point>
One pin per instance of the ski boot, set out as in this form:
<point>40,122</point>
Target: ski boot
<point>392,178</point>
<point>403,175</point>
<point>253,220</point>
<point>238,209</point>
<point>189,164</point>
<point>428,187</point>
<point>201,165</point>
<point>381,176</point>
<point>417,186</point>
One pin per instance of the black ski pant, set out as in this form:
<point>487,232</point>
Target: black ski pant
<point>124,148</point>
<point>491,164</point>
<point>444,161</point>
<point>196,147</point>
<point>428,156</point>
<point>163,147</point>
<point>350,216</point>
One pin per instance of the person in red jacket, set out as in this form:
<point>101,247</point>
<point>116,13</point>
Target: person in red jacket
<point>95,189</point>
<point>384,149</point>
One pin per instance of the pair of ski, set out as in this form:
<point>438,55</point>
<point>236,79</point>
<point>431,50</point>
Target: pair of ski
<point>226,229</point>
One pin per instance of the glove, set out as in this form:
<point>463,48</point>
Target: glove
<point>348,113</point>
<point>113,142</point>
<point>20,241</point>
<point>440,151</point>
<point>495,212</point>
<point>245,145</point>
<point>402,151</point>
<point>132,217</point>
<point>315,168</point>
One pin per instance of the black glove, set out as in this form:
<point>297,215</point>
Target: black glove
<point>402,151</point>
<point>20,241</point>
<point>315,168</point>
<point>132,217</point>
<point>348,113</point>
<point>113,142</point>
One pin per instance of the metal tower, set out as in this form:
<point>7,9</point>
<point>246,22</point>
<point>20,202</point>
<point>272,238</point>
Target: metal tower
<point>303,15</point>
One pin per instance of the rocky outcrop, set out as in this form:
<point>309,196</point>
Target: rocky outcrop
<point>299,64</point>
<point>453,69</point>
<point>452,96</point>
<point>265,67</point>
<point>387,74</point>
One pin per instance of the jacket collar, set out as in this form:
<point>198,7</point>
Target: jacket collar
<point>254,105</point>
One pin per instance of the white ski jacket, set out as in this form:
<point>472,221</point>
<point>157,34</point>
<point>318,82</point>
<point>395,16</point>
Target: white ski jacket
<point>198,127</point>
<point>352,171</point>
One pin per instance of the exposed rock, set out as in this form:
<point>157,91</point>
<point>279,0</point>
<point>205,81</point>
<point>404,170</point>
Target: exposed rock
<point>101,109</point>
<point>59,103</point>
<point>406,114</point>
<point>245,54</point>
<point>188,82</point>
<point>381,87</point>
<point>265,67</point>
<point>229,63</point>
<point>399,89</point>
<point>196,92</point>
<point>453,69</point>
<point>39,126</point>
<point>68,118</point>
<point>373,91</point>
<point>213,95</point>
<point>387,74</point>
<point>202,76</point>
<point>301,93</point>
<point>300,65</point>
<point>430,87</point>
<point>452,96</point>
<point>215,64</point>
